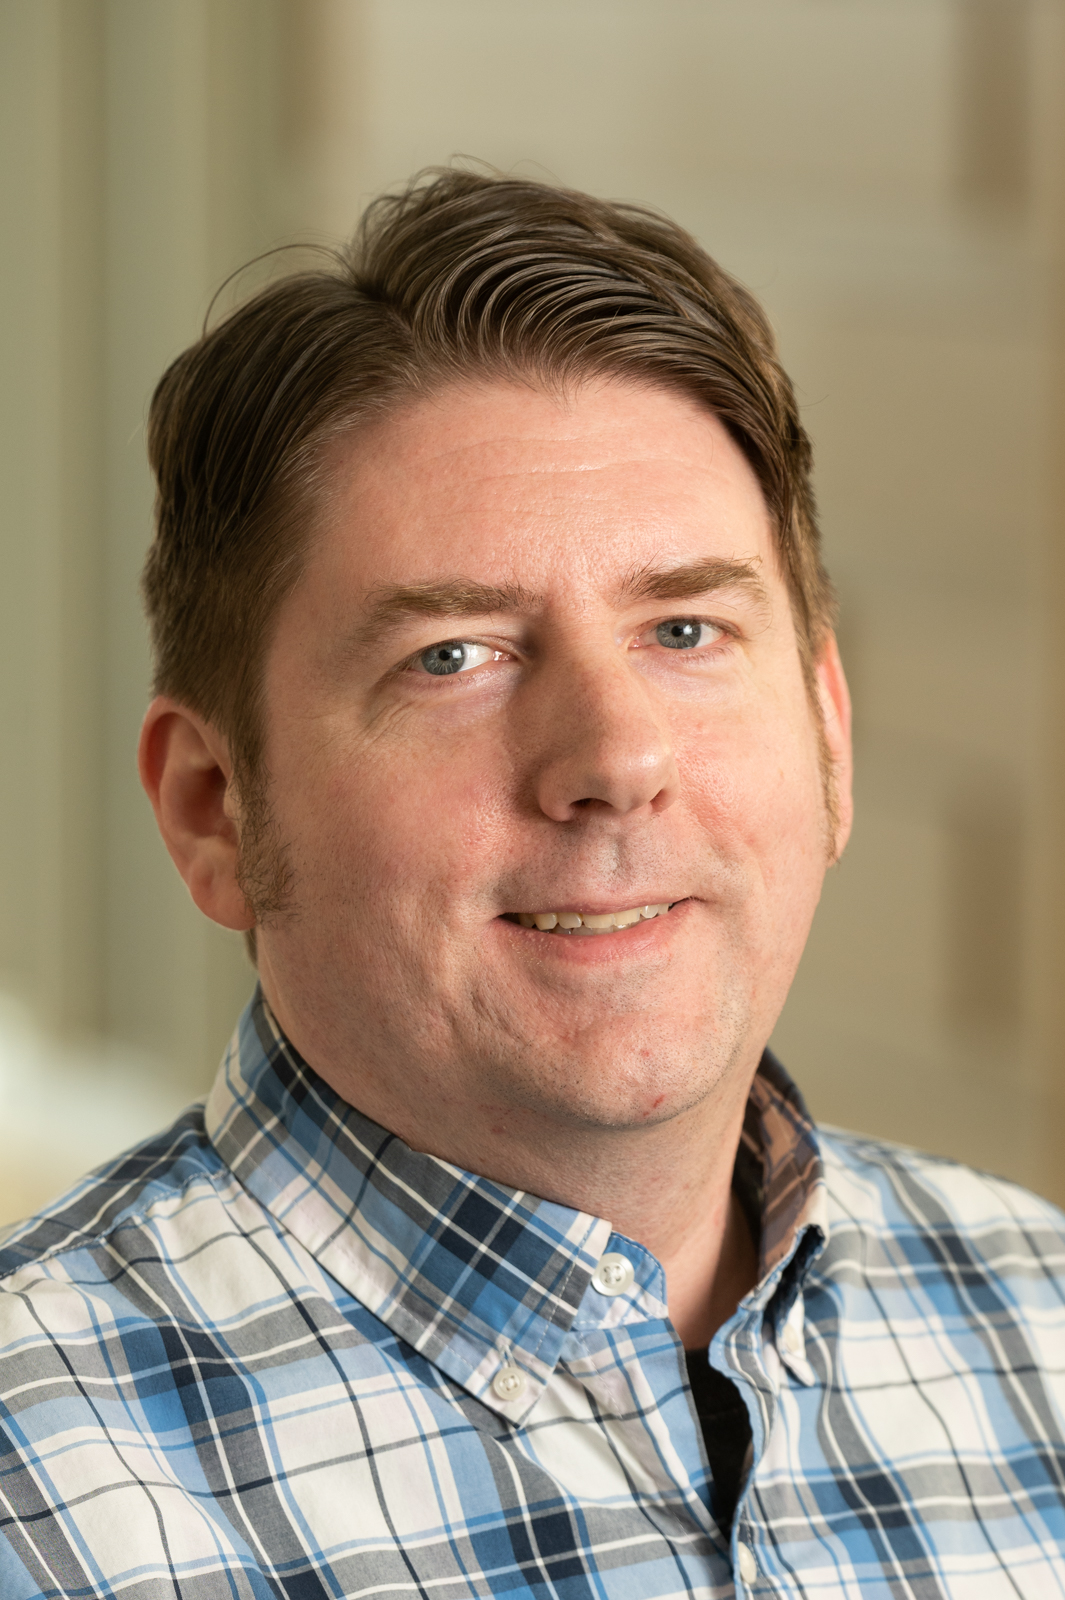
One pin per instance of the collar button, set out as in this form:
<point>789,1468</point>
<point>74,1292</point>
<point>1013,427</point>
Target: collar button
<point>508,1383</point>
<point>614,1274</point>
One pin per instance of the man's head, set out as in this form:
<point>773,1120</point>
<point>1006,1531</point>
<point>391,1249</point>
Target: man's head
<point>486,585</point>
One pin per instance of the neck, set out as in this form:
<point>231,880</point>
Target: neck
<point>668,1187</point>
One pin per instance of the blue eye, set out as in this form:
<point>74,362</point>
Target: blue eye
<point>454,655</point>
<point>680,633</point>
<point>441,659</point>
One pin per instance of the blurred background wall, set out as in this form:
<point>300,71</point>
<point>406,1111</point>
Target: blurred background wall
<point>887,175</point>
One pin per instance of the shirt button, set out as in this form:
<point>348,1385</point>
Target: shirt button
<point>614,1274</point>
<point>508,1383</point>
<point>748,1565</point>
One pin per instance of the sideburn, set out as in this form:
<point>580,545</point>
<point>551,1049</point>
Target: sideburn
<point>264,872</point>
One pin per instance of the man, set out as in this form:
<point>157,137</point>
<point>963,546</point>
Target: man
<point>498,703</point>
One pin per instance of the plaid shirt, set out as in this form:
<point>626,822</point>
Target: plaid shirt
<point>274,1352</point>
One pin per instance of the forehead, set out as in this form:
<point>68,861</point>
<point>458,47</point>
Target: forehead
<point>505,481</point>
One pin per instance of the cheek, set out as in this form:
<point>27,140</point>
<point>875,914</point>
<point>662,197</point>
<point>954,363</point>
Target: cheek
<point>755,785</point>
<point>398,822</point>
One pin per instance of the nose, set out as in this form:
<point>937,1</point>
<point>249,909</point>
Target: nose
<point>604,743</point>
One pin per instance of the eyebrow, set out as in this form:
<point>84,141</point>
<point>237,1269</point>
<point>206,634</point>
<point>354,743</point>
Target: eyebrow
<point>696,578</point>
<point>462,597</point>
<point>453,597</point>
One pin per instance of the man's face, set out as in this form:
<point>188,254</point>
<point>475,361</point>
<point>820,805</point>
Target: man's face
<point>541,661</point>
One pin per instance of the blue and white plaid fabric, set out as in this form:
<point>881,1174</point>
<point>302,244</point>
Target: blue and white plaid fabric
<point>258,1357</point>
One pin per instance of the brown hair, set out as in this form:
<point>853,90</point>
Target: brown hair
<point>462,274</point>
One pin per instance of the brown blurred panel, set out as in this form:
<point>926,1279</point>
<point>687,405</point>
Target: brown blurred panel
<point>994,95</point>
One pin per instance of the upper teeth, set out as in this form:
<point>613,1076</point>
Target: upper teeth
<point>595,922</point>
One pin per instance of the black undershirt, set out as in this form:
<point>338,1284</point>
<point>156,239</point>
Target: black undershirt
<point>719,1405</point>
<point>726,1430</point>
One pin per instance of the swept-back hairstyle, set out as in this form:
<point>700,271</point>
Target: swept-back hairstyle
<point>460,276</point>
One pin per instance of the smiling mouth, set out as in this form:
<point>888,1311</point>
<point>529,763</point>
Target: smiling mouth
<point>588,923</point>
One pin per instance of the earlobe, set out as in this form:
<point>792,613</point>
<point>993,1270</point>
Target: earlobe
<point>188,777</point>
<point>835,700</point>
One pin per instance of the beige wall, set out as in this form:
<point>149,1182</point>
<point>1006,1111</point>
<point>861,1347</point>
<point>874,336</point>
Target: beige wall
<point>882,172</point>
<point>132,137</point>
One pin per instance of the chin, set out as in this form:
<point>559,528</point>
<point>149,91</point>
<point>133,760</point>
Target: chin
<point>626,1086</point>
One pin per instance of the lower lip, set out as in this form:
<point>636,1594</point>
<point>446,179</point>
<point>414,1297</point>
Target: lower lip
<point>624,943</point>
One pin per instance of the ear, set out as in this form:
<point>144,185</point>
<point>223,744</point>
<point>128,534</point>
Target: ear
<point>188,776</point>
<point>835,701</point>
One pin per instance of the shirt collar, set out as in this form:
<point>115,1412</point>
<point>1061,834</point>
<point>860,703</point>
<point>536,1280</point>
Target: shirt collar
<point>780,1139</point>
<point>474,1275</point>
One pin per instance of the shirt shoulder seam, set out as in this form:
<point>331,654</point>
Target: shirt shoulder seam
<point>86,1241</point>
